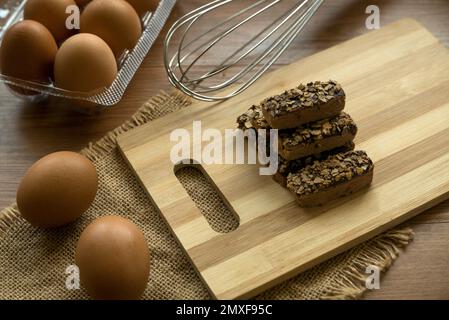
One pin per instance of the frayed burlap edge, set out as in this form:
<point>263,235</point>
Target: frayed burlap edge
<point>381,251</point>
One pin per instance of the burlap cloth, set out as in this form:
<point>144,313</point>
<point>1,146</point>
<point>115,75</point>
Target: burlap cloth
<point>33,261</point>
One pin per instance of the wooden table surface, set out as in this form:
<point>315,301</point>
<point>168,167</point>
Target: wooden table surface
<point>27,132</point>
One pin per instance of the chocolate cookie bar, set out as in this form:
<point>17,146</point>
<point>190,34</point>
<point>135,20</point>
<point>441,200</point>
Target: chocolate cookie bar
<point>306,103</point>
<point>317,137</point>
<point>253,118</point>
<point>338,176</point>
<point>285,167</point>
<point>245,121</point>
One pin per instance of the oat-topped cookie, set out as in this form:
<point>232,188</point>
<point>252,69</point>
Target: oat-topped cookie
<point>285,167</point>
<point>308,139</point>
<point>302,97</point>
<point>317,137</point>
<point>253,118</point>
<point>293,166</point>
<point>319,130</point>
<point>244,121</point>
<point>258,120</point>
<point>334,177</point>
<point>303,104</point>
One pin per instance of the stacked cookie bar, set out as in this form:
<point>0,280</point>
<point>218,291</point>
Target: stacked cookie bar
<point>315,142</point>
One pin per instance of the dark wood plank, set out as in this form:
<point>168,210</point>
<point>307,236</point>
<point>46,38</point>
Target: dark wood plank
<point>421,271</point>
<point>28,132</point>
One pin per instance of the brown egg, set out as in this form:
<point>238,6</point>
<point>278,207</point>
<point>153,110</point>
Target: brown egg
<point>28,52</point>
<point>82,3</point>
<point>115,21</point>
<point>84,63</point>
<point>143,6</point>
<point>113,257</point>
<point>52,14</point>
<point>57,189</point>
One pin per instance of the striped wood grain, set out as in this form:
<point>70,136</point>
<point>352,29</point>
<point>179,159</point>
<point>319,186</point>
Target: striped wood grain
<point>396,80</point>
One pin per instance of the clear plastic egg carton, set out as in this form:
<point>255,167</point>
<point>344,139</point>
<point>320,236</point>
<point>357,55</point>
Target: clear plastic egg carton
<point>11,11</point>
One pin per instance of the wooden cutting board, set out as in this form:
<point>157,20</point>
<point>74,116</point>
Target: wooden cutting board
<point>397,85</point>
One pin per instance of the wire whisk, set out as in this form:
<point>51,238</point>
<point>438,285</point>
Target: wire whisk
<point>235,66</point>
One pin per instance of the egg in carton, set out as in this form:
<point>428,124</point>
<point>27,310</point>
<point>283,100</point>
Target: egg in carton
<point>93,72</point>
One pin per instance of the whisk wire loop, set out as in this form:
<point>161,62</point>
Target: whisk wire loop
<point>282,31</point>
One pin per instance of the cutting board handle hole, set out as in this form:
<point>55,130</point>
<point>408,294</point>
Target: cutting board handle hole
<point>215,209</point>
